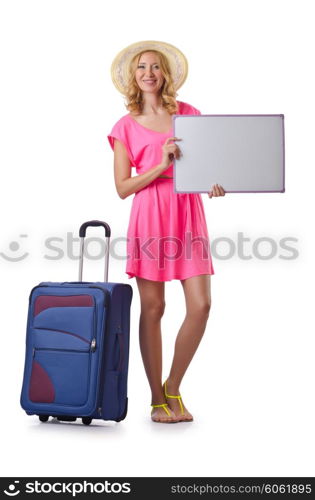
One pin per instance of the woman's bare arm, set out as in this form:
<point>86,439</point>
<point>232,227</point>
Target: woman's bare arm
<point>127,185</point>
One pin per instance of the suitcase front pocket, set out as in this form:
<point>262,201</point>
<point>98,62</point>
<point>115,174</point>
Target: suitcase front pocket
<point>60,376</point>
<point>62,335</point>
<point>76,321</point>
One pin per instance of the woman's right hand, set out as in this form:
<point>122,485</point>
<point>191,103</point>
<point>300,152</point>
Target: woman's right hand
<point>169,152</point>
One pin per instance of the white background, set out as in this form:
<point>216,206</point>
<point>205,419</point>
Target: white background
<point>250,386</point>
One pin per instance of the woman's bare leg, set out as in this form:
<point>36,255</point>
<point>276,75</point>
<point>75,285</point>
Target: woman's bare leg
<point>152,308</point>
<point>197,290</point>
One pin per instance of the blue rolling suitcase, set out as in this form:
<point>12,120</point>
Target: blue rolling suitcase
<point>77,347</point>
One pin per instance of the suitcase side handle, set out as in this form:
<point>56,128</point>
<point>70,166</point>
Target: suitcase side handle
<point>82,233</point>
<point>121,351</point>
<point>85,225</point>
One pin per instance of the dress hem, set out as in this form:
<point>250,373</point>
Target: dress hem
<point>133,275</point>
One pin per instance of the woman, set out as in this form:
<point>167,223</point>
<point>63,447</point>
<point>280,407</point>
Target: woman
<point>167,232</point>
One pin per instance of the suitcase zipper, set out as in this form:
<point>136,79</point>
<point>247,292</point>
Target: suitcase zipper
<point>65,332</point>
<point>57,349</point>
<point>102,367</point>
<point>92,348</point>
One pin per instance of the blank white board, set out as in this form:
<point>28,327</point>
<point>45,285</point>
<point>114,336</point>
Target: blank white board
<point>242,153</point>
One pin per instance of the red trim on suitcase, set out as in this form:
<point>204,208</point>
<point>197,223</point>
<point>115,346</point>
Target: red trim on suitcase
<point>46,301</point>
<point>41,387</point>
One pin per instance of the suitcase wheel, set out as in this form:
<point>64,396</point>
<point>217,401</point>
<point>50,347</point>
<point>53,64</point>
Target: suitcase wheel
<point>43,418</point>
<point>86,420</point>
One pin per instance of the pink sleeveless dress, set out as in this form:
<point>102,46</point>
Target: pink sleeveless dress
<point>167,235</point>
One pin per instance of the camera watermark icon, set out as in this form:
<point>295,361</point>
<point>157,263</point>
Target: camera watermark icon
<point>14,247</point>
<point>13,492</point>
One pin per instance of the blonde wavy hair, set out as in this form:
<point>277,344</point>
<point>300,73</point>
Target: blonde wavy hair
<point>134,101</point>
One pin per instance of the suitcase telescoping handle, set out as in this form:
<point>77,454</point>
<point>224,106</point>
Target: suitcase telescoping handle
<point>82,233</point>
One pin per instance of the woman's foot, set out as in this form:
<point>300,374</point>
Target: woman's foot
<point>163,414</point>
<point>175,402</point>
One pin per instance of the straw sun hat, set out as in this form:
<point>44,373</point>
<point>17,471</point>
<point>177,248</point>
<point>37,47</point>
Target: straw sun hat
<point>120,65</point>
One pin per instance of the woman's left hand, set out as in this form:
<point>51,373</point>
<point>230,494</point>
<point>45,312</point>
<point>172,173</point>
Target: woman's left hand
<point>216,190</point>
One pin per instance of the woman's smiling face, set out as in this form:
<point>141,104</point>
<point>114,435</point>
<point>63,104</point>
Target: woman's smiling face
<point>148,73</point>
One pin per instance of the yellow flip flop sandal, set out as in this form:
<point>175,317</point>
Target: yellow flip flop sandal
<point>179,398</point>
<point>164,406</point>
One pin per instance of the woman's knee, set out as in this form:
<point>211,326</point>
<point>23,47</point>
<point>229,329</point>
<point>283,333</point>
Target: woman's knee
<point>200,309</point>
<point>154,309</point>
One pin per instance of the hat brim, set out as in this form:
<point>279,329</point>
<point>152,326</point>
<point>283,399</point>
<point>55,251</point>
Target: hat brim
<point>120,65</point>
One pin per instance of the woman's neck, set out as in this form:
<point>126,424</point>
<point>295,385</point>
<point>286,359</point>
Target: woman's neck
<point>152,104</point>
